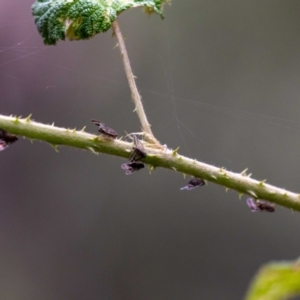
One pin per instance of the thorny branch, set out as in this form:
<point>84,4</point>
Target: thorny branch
<point>165,158</point>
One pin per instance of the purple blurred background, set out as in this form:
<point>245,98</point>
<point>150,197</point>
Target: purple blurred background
<point>220,79</point>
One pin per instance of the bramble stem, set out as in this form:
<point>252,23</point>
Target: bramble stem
<point>164,158</point>
<point>136,97</point>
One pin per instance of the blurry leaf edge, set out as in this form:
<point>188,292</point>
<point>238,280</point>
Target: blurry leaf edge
<point>276,281</point>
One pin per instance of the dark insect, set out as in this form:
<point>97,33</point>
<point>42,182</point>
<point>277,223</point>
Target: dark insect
<point>107,131</point>
<point>6,139</point>
<point>258,205</point>
<point>138,150</point>
<point>193,183</point>
<point>132,167</point>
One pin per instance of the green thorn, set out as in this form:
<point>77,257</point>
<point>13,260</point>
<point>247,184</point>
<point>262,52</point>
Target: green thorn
<point>251,193</point>
<point>150,168</point>
<point>74,130</point>
<point>54,147</point>
<point>240,195</point>
<point>94,139</point>
<point>92,150</point>
<point>262,183</point>
<point>28,119</point>
<point>244,172</point>
<point>226,189</point>
<point>225,175</point>
<point>285,195</point>
<point>175,151</point>
<point>184,175</point>
<point>83,129</point>
<point>16,120</point>
<point>173,168</point>
<point>52,124</point>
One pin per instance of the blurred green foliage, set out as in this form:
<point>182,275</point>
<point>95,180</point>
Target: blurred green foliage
<point>276,281</point>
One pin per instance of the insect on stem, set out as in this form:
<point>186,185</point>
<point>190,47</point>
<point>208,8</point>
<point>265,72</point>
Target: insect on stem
<point>193,183</point>
<point>6,139</point>
<point>258,205</point>
<point>138,150</point>
<point>105,130</point>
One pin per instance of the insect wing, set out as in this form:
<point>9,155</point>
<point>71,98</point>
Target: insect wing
<point>193,183</point>
<point>260,205</point>
<point>109,131</point>
<point>138,151</point>
<point>188,187</point>
<point>132,167</point>
<point>252,204</point>
<point>6,139</point>
<point>3,145</point>
<point>105,129</point>
<point>137,154</point>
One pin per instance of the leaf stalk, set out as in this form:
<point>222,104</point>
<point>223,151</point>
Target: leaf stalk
<point>136,97</point>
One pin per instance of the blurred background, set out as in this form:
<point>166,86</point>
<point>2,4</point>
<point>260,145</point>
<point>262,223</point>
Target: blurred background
<point>220,79</point>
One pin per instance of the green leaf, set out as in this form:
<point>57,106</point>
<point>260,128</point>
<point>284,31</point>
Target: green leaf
<point>82,19</point>
<point>276,281</point>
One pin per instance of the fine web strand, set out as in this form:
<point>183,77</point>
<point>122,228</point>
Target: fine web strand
<point>237,113</point>
<point>172,98</point>
<point>26,52</point>
<point>36,53</point>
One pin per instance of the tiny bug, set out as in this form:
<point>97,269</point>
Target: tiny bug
<point>107,131</point>
<point>258,205</point>
<point>193,183</point>
<point>132,167</point>
<point>6,139</point>
<point>138,150</point>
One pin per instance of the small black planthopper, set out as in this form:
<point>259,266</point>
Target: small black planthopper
<point>193,183</point>
<point>6,139</point>
<point>138,150</point>
<point>105,130</point>
<point>258,205</point>
<point>132,167</point>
